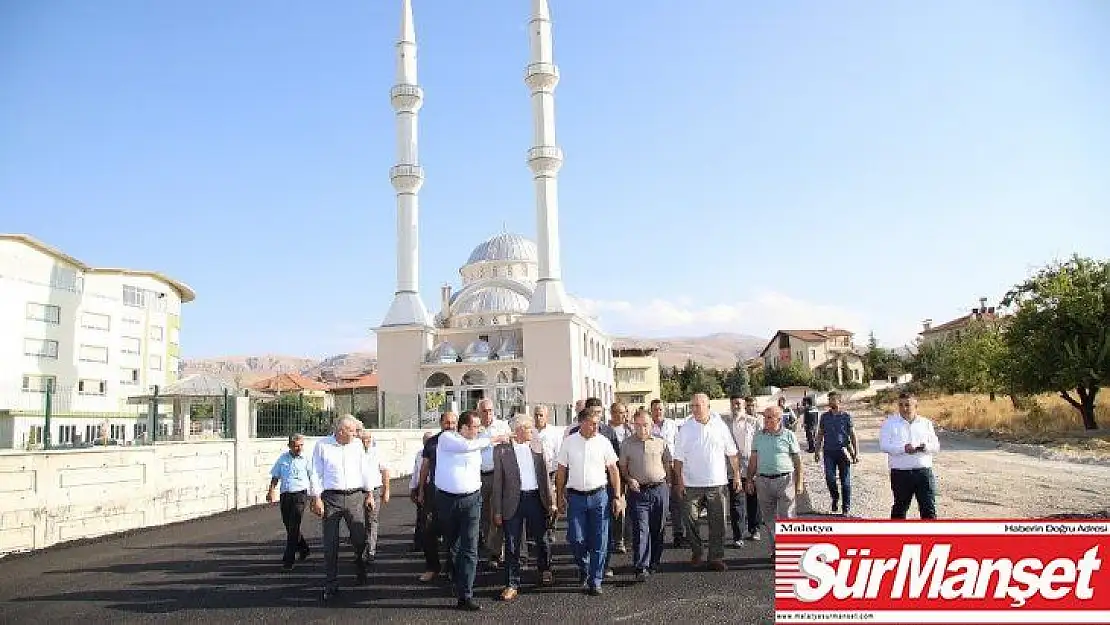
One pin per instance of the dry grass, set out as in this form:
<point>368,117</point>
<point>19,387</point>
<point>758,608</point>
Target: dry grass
<point>1051,421</point>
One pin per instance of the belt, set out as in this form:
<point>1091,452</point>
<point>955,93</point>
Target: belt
<point>349,491</point>
<point>585,493</point>
<point>774,476</point>
<point>456,495</point>
<point>915,469</point>
<point>295,492</point>
<point>533,492</point>
<point>490,472</point>
<point>651,485</point>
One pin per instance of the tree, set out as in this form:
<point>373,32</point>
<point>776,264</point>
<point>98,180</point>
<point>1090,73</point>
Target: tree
<point>977,361</point>
<point>670,391</point>
<point>737,381</point>
<point>793,374</point>
<point>880,363</point>
<point>1058,336</point>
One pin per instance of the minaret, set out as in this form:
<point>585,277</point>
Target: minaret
<point>545,158</point>
<point>407,177</point>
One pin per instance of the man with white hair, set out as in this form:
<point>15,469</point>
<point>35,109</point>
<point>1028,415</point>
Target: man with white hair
<point>379,492</point>
<point>490,537</point>
<point>522,496</point>
<point>340,487</point>
<point>775,469</point>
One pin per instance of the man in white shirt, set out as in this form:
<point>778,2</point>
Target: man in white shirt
<point>587,465</point>
<point>340,488</point>
<point>378,484</point>
<point>548,438</point>
<point>667,430</point>
<point>704,450</point>
<point>458,492</point>
<point>522,496</point>
<point>490,537</point>
<point>743,429</point>
<point>910,442</point>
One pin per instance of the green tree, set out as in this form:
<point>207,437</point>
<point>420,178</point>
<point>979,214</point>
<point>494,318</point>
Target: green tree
<point>977,361</point>
<point>793,374</point>
<point>737,381</point>
<point>1058,336</point>
<point>670,391</point>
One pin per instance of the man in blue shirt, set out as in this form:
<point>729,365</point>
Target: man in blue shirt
<point>836,438</point>
<point>291,473</point>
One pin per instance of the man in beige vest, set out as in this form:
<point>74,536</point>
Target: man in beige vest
<point>522,495</point>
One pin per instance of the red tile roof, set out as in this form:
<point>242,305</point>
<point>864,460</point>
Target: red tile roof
<point>368,380</point>
<point>960,322</point>
<point>285,382</point>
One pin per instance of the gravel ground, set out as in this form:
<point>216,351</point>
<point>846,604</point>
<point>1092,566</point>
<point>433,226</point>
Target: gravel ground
<point>976,478</point>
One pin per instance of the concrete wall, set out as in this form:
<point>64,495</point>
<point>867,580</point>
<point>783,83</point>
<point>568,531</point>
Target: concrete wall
<point>53,497</point>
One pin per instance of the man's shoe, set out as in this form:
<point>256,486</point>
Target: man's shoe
<point>370,557</point>
<point>360,578</point>
<point>835,505</point>
<point>329,594</point>
<point>302,555</point>
<point>642,575</point>
<point>677,544</point>
<point>509,593</point>
<point>695,561</point>
<point>620,548</point>
<point>738,543</point>
<point>288,566</point>
<point>847,510</point>
<point>718,565</point>
<point>469,605</point>
<point>755,535</point>
<point>593,591</point>
<point>547,578</point>
<point>428,576</point>
<point>609,573</point>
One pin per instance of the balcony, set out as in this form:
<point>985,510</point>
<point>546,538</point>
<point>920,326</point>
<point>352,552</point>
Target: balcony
<point>541,76</point>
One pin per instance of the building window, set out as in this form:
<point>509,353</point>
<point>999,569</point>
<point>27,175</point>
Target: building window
<point>128,376</point>
<point>172,364</point>
<point>118,431</point>
<point>39,383</point>
<point>631,376</point>
<point>95,321</point>
<point>67,434</point>
<point>92,387</point>
<point>41,348</point>
<point>47,313</point>
<point>156,333</point>
<point>139,430</point>
<point>93,353</point>
<point>134,296</point>
<point>156,362</point>
<point>92,433</point>
<point>635,398</point>
<point>130,345</point>
<point>813,354</point>
<point>34,436</point>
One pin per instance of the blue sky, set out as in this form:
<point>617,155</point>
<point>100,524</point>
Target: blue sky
<point>730,166</point>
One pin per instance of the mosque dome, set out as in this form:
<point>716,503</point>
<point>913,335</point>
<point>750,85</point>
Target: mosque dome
<point>490,299</point>
<point>443,353</point>
<point>478,351</point>
<point>505,247</point>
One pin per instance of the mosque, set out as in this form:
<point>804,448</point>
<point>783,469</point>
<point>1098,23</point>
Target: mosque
<point>510,332</point>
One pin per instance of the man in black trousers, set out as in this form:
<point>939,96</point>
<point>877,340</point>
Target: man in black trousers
<point>291,474</point>
<point>426,498</point>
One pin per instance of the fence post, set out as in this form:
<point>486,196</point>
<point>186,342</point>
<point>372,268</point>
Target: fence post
<point>154,415</point>
<point>227,415</point>
<point>47,409</point>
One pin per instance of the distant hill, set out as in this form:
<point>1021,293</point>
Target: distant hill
<point>714,350</point>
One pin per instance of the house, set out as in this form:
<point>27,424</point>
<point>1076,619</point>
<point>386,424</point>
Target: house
<point>86,337</point>
<point>314,392</point>
<point>636,375</point>
<point>828,353</point>
<point>358,396</point>
<point>952,329</point>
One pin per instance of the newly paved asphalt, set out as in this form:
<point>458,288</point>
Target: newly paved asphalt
<point>226,569</point>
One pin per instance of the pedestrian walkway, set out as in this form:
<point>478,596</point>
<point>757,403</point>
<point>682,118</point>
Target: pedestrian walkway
<point>227,569</point>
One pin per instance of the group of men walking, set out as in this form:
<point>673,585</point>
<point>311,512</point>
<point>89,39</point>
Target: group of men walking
<point>490,487</point>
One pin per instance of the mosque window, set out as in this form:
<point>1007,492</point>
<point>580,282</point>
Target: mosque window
<point>481,321</point>
<point>509,271</point>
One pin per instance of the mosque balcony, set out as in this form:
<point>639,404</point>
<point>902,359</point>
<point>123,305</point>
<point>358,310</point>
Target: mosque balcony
<point>545,159</point>
<point>407,98</point>
<point>406,178</point>
<point>541,76</point>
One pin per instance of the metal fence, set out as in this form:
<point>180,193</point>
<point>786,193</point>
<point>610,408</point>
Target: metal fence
<point>44,417</point>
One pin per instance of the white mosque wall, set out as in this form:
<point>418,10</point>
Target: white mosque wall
<point>52,497</point>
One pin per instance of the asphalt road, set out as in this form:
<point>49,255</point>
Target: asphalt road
<point>227,569</point>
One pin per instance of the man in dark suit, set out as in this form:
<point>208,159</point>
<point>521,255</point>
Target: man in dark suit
<point>522,496</point>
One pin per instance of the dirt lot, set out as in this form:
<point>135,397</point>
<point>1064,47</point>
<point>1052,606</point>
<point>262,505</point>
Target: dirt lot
<point>975,478</point>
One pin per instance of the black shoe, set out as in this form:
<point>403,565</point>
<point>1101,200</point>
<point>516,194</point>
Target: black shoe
<point>594,591</point>
<point>370,557</point>
<point>642,575</point>
<point>469,605</point>
<point>329,594</point>
<point>360,578</point>
<point>288,566</point>
<point>677,542</point>
<point>302,554</point>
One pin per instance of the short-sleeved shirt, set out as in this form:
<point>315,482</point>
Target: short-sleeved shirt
<point>292,472</point>
<point>647,460</point>
<point>837,427</point>
<point>587,461</point>
<point>775,451</point>
<point>704,450</point>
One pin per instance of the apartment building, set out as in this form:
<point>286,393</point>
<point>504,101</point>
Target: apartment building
<point>636,375</point>
<point>829,352</point>
<point>93,336</point>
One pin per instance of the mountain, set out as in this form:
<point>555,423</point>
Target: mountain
<point>715,350</point>
<point>719,351</point>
